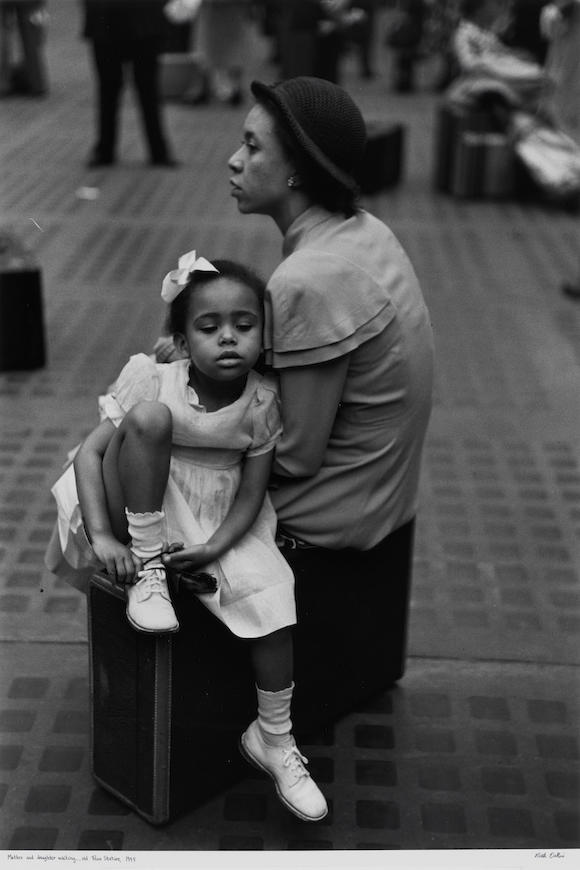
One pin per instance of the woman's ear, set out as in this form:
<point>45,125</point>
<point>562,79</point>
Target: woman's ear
<point>294,180</point>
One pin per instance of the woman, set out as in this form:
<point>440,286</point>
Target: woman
<point>347,328</point>
<point>348,333</point>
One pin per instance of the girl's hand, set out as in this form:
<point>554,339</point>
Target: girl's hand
<point>118,559</point>
<point>192,557</point>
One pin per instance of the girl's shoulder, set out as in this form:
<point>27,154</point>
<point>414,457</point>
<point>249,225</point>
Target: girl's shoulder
<point>263,391</point>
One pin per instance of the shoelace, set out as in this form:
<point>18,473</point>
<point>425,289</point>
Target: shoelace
<point>151,580</point>
<point>294,760</point>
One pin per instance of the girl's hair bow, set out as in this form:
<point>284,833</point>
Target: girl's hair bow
<point>175,281</point>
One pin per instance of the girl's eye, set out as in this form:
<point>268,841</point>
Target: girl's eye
<point>245,327</point>
<point>208,328</point>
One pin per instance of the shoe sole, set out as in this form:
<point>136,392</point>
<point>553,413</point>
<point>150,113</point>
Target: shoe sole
<point>255,763</point>
<point>151,630</point>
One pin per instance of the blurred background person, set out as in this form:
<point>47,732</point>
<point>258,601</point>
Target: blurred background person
<point>127,33</point>
<point>404,39</point>
<point>491,75</point>
<point>223,38</point>
<point>442,20</point>
<point>312,36</point>
<point>26,75</point>
<point>560,24</point>
<point>523,30</point>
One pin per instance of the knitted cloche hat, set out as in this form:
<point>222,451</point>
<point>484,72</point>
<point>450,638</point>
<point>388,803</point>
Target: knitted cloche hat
<point>324,121</point>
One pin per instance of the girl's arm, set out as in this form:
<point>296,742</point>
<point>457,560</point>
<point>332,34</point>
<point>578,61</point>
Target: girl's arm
<point>88,466</point>
<point>310,397</point>
<point>244,510</point>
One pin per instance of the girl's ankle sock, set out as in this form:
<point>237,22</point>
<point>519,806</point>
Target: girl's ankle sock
<point>274,716</point>
<point>147,533</point>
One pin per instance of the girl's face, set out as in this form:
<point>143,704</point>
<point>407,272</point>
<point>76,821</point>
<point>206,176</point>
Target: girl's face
<point>260,168</point>
<point>223,336</point>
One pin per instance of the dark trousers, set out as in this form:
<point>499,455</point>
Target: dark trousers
<point>111,59</point>
<point>30,76</point>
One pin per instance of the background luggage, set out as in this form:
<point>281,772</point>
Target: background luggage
<point>182,77</point>
<point>383,163</point>
<point>451,123</point>
<point>168,711</point>
<point>483,166</point>
<point>22,343</point>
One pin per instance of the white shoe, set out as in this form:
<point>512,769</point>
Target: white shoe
<point>285,764</point>
<point>149,606</point>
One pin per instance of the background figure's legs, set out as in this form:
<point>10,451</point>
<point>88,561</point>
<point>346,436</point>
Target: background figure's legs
<point>108,60</point>
<point>31,18</point>
<point>145,61</point>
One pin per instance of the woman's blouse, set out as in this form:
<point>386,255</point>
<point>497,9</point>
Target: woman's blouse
<point>346,288</point>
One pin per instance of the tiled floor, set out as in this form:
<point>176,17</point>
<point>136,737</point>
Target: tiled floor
<point>477,748</point>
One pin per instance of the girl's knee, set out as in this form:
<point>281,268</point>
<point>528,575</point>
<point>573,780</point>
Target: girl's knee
<point>150,420</point>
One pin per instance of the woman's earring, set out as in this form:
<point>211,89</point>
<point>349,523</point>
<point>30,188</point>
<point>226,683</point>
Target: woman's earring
<point>293,181</point>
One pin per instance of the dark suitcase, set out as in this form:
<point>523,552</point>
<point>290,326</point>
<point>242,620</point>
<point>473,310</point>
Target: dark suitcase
<point>22,343</point>
<point>167,711</point>
<point>451,123</point>
<point>483,166</point>
<point>384,157</point>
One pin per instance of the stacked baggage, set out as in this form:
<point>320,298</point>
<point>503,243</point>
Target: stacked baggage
<point>472,160</point>
<point>168,710</point>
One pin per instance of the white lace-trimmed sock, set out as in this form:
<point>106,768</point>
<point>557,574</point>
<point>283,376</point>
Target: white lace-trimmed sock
<point>274,716</point>
<point>146,531</point>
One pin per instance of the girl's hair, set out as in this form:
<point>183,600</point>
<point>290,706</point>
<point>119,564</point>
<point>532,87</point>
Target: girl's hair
<point>178,309</point>
<point>319,185</point>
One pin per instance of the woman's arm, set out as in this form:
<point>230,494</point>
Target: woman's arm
<point>244,510</point>
<point>310,397</point>
<point>88,466</point>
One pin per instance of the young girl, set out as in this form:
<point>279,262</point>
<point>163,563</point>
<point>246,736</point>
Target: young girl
<point>183,453</point>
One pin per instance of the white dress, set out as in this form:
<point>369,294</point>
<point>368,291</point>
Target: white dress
<point>255,594</point>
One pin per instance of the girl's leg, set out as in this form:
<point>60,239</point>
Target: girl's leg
<point>268,742</point>
<point>272,659</point>
<point>136,464</point>
<point>135,471</point>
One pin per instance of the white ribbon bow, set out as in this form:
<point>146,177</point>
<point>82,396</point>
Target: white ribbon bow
<point>175,281</point>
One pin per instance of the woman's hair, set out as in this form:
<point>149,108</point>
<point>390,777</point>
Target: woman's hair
<point>318,184</point>
<point>178,309</point>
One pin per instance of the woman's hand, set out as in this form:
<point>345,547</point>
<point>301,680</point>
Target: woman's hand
<point>118,559</point>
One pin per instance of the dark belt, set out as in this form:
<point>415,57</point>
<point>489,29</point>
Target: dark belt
<point>289,542</point>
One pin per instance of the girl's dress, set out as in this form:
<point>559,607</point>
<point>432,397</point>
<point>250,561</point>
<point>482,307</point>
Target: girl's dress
<point>255,594</point>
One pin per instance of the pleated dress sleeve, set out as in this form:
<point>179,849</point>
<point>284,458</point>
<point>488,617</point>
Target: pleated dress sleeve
<point>138,382</point>
<point>266,417</point>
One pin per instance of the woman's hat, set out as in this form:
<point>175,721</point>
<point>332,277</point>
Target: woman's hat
<point>325,122</point>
